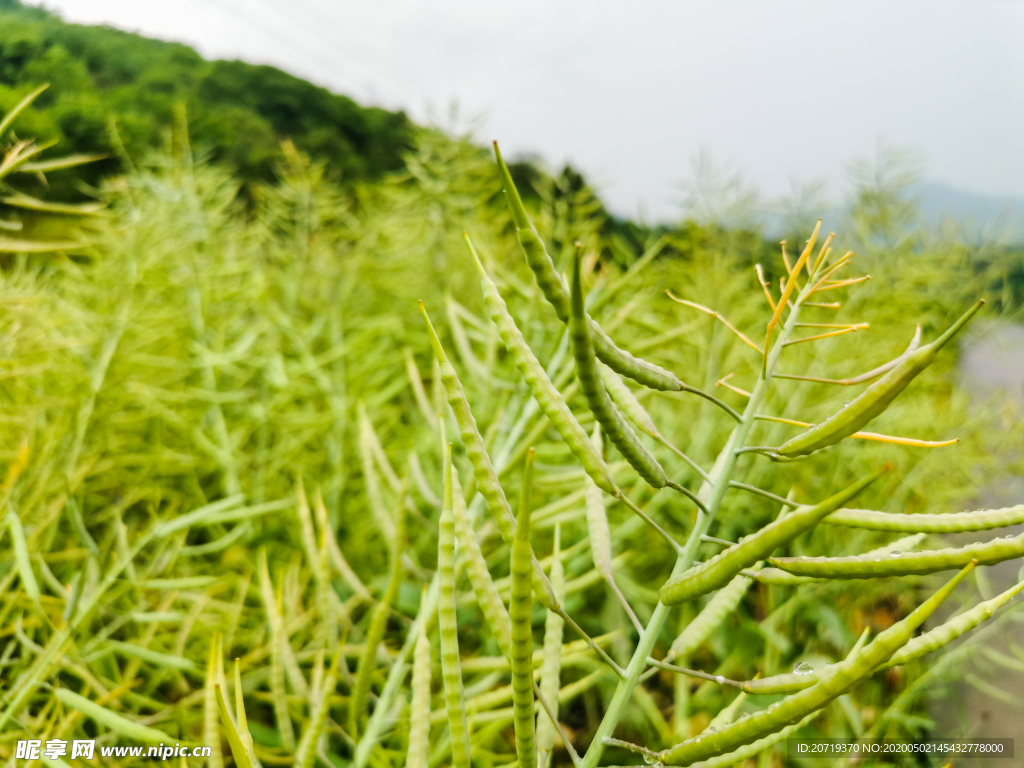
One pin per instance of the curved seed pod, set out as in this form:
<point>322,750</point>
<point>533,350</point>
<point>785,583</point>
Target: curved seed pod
<point>551,667</point>
<point>520,609</point>
<point>952,629</point>
<point>781,578</point>
<point>722,604</point>
<point>873,400</point>
<point>626,402</point>
<point>957,522</point>
<point>597,519</point>
<point>841,678</point>
<point>754,748</point>
<point>547,395</point>
<point>479,576</point>
<point>419,717</point>
<point>554,291</point>
<point>912,563</point>
<point>719,570</point>
<point>486,478</point>
<point>451,669</point>
<point>629,445</point>
<point>796,681</point>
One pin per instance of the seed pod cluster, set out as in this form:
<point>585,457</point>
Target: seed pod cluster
<point>618,431</point>
<point>546,394</point>
<point>841,677</point>
<point>483,470</point>
<point>554,291</point>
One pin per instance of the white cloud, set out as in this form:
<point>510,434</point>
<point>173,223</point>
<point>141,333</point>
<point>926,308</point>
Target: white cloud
<point>630,91</point>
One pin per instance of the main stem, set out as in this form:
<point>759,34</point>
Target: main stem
<point>689,553</point>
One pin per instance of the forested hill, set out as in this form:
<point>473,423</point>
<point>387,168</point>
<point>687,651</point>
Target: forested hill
<point>240,111</point>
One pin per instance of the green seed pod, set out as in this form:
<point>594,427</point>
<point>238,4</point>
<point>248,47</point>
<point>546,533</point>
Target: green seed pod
<point>419,716</point>
<point>952,629</point>
<point>451,669</point>
<point>547,395</point>
<point>629,445</point>
<point>720,570</point>
<point>551,668</point>
<point>903,564</point>
<point>840,678</point>
<point>873,400</point>
<point>780,578</point>
<point>483,470</point>
<point>958,522</point>
<point>755,748</point>
<point>520,609</point>
<point>479,576</point>
<point>554,291</point>
<point>626,402</point>
<point>796,681</point>
<point>597,519</point>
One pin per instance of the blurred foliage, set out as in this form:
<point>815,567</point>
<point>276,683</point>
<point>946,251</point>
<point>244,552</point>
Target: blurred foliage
<point>103,77</point>
<point>202,349</point>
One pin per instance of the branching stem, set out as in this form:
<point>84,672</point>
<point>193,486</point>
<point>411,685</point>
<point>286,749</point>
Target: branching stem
<point>638,663</point>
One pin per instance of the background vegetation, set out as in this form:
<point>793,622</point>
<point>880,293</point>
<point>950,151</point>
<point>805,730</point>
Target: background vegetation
<point>211,352</point>
<point>104,79</point>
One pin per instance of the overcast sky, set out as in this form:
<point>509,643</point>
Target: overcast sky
<point>630,92</point>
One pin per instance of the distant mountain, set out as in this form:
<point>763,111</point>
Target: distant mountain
<point>977,217</point>
<point>988,216</point>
